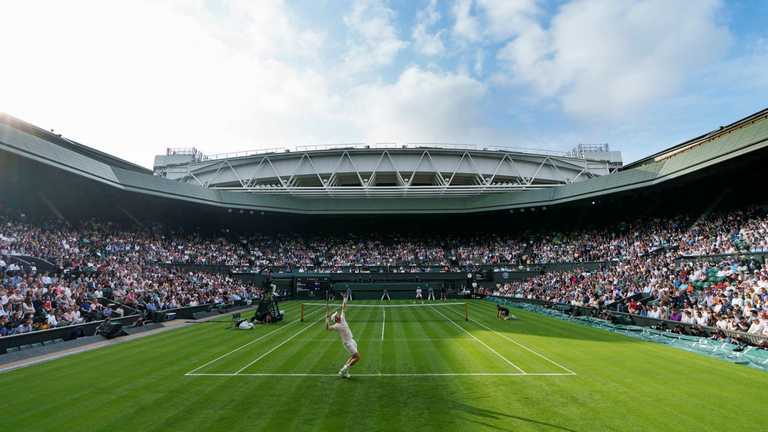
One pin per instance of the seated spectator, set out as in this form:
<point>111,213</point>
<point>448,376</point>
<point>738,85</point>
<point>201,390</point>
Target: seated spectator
<point>25,326</point>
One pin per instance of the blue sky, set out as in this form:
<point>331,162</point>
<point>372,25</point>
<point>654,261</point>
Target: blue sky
<point>132,78</point>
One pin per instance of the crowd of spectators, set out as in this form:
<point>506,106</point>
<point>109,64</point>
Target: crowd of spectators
<point>139,268</point>
<point>726,293</point>
<point>100,272</point>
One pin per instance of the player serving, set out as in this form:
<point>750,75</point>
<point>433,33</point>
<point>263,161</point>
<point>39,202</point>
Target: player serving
<point>338,322</point>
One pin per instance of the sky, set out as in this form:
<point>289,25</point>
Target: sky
<point>133,78</point>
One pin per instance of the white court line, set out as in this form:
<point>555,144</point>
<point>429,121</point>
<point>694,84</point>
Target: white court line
<point>383,322</point>
<point>524,347</point>
<point>483,343</point>
<point>241,347</point>
<point>384,375</point>
<point>278,346</point>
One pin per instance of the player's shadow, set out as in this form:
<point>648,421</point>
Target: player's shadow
<point>487,414</point>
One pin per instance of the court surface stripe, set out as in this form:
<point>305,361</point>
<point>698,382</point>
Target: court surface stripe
<point>522,346</point>
<point>241,347</point>
<point>481,342</point>
<point>279,345</point>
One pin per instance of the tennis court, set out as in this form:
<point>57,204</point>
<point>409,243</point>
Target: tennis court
<point>422,368</point>
<point>394,339</point>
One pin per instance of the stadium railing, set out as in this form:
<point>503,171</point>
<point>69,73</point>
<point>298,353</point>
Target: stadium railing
<point>89,328</point>
<point>65,333</point>
<point>761,256</point>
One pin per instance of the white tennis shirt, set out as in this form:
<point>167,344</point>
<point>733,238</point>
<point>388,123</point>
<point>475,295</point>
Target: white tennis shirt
<point>343,328</point>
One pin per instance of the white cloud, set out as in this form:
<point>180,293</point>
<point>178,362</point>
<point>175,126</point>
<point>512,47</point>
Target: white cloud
<point>601,57</point>
<point>132,78</point>
<point>479,62</point>
<point>374,42</point>
<point>135,77</point>
<point>506,18</point>
<point>262,28</point>
<point>492,20</point>
<point>430,44</point>
<point>423,105</point>
<point>466,25</point>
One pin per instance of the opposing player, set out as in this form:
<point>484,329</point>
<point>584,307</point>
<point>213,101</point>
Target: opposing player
<point>502,313</point>
<point>418,295</point>
<point>338,322</point>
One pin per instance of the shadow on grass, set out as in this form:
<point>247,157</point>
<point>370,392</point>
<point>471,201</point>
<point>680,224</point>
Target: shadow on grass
<point>481,413</point>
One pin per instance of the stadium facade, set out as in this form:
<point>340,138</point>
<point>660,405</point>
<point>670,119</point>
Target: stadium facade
<point>404,180</point>
<point>386,170</point>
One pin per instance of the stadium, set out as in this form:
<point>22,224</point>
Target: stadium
<point>383,215</point>
<point>558,291</point>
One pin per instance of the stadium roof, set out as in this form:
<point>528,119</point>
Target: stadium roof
<point>743,137</point>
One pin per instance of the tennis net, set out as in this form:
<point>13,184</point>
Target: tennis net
<point>405,312</point>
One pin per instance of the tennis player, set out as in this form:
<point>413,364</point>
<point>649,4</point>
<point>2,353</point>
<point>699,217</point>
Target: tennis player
<point>502,313</point>
<point>338,322</point>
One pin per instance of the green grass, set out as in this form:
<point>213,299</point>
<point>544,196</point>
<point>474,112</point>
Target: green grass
<point>430,372</point>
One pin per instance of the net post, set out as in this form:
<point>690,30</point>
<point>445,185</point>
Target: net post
<point>466,312</point>
<point>302,312</point>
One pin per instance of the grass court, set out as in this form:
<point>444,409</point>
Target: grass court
<point>423,367</point>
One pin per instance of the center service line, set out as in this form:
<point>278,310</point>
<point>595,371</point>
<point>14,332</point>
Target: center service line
<point>383,323</point>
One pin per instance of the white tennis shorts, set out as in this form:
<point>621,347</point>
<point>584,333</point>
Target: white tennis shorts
<point>351,346</point>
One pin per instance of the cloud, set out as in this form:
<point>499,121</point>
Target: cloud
<point>132,78</point>
<point>429,44</point>
<point>505,18</point>
<point>422,105</point>
<point>466,25</point>
<point>478,21</point>
<point>374,41</point>
<point>136,77</point>
<point>601,57</point>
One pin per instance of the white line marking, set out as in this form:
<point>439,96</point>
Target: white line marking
<point>383,322</point>
<point>417,374</point>
<point>524,347</point>
<point>278,346</point>
<point>481,342</point>
<point>241,347</point>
